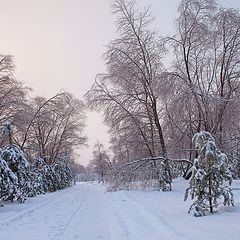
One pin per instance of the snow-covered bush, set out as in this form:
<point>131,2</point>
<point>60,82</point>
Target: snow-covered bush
<point>209,184</point>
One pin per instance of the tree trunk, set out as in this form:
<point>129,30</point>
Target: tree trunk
<point>161,138</point>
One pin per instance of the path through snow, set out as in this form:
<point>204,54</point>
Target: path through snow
<point>85,211</point>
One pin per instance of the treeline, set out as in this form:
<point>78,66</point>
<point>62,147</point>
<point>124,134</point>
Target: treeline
<point>153,111</point>
<point>38,138</point>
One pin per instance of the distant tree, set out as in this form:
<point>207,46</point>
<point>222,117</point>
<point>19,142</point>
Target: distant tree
<point>78,171</point>
<point>100,163</point>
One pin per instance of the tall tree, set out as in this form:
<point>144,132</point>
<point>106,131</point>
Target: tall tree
<point>12,94</point>
<point>129,91</point>
<point>205,79</point>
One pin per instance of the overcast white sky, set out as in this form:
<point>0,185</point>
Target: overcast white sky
<point>58,45</point>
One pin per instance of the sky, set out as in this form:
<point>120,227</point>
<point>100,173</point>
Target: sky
<point>57,45</point>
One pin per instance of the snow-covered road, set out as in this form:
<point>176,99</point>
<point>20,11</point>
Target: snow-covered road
<point>86,212</point>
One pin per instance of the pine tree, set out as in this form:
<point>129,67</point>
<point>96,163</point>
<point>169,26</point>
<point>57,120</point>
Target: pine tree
<point>39,182</point>
<point>209,184</point>
<point>17,162</point>
<point>8,183</point>
<point>50,181</point>
<point>63,172</point>
<point>19,179</point>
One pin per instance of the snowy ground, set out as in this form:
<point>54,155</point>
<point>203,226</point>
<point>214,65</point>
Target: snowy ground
<point>86,212</point>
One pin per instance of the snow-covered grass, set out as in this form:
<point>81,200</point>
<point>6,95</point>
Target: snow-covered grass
<point>86,211</point>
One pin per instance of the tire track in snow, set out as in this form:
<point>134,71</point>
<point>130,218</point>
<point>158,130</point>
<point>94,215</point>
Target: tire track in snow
<point>72,215</point>
<point>49,218</point>
<point>91,222</point>
<point>26,212</point>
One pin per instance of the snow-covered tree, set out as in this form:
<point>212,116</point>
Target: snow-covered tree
<point>49,178</point>
<point>129,92</point>
<point>40,181</point>
<point>56,125</point>
<point>209,184</point>
<point>45,176</point>
<point>62,172</point>
<point>17,162</point>
<point>8,183</point>
<point>6,130</point>
<point>42,127</point>
<point>203,82</point>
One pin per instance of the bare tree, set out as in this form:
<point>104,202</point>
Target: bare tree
<point>56,127</point>
<point>128,92</point>
<point>12,93</point>
<point>205,78</point>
